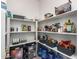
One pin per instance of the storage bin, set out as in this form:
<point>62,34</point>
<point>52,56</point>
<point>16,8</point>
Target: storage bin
<point>66,50</point>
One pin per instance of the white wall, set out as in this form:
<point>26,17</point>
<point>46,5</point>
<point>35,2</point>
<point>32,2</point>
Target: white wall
<point>48,5</point>
<point>36,8</point>
<point>28,8</point>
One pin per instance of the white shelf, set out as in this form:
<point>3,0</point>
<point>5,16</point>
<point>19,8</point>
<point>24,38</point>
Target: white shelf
<point>62,33</point>
<point>23,20</point>
<point>55,49</point>
<point>22,43</point>
<point>23,32</point>
<point>70,13</point>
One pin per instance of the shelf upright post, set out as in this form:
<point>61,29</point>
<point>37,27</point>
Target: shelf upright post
<point>36,37</point>
<point>8,33</point>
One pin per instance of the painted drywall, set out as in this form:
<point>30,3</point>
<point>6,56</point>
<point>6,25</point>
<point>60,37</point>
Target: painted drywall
<point>28,8</point>
<point>36,8</point>
<point>48,6</point>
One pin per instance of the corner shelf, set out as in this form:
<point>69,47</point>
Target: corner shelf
<point>70,13</point>
<point>55,49</point>
<point>62,33</point>
<point>22,43</point>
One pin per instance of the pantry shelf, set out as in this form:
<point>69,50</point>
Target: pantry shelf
<point>55,49</point>
<point>23,20</point>
<point>22,43</point>
<point>62,33</point>
<point>70,13</point>
<point>23,32</point>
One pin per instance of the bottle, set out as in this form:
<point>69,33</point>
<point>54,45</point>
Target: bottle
<point>29,28</point>
<point>69,25</point>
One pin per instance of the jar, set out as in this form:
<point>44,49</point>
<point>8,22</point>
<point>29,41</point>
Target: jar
<point>29,28</point>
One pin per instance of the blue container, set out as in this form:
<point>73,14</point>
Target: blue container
<point>40,52</point>
<point>51,55</point>
<point>58,56</point>
<point>44,54</point>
